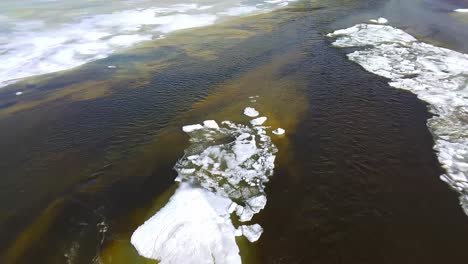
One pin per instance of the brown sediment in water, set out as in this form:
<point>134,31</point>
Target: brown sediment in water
<point>356,178</point>
<point>227,102</point>
<point>281,100</point>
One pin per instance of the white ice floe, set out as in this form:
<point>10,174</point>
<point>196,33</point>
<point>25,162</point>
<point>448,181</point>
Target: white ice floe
<point>210,124</point>
<point>250,111</point>
<point>461,10</point>
<point>278,131</point>
<point>252,206</point>
<point>222,175</point>
<point>18,93</point>
<point>436,75</point>
<point>191,128</point>
<point>194,227</point>
<point>252,232</point>
<point>258,121</point>
<point>380,20</point>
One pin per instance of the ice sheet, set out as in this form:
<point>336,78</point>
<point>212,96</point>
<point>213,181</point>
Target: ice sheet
<point>436,75</point>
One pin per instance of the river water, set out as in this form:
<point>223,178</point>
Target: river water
<point>87,155</point>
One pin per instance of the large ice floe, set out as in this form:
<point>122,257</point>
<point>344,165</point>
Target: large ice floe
<point>436,75</point>
<point>222,175</point>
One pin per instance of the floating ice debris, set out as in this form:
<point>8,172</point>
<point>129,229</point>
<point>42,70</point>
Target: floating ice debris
<point>210,124</point>
<point>461,10</point>
<point>191,128</point>
<point>278,131</point>
<point>252,206</point>
<point>19,93</point>
<point>258,121</point>
<point>380,20</point>
<point>436,75</point>
<point>250,111</point>
<point>193,227</point>
<point>226,163</point>
<point>252,232</point>
<point>111,67</point>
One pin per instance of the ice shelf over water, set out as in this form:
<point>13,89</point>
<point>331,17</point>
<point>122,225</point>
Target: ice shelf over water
<point>35,43</point>
<point>222,175</point>
<point>436,75</point>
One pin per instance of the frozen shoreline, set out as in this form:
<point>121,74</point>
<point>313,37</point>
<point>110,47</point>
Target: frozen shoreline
<point>33,46</point>
<point>436,75</point>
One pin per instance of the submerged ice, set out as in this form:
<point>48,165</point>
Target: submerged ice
<point>222,175</point>
<point>436,75</point>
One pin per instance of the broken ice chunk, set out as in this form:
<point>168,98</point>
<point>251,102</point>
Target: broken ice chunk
<point>380,20</point>
<point>252,232</point>
<point>210,124</point>
<point>191,128</point>
<point>250,111</point>
<point>279,131</point>
<point>258,121</point>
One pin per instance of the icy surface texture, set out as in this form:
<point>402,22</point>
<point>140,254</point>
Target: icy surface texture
<point>222,175</point>
<point>436,75</point>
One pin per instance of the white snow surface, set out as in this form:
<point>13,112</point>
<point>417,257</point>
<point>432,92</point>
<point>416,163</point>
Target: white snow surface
<point>194,227</point>
<point>461,10</point>
<point>436,75</point>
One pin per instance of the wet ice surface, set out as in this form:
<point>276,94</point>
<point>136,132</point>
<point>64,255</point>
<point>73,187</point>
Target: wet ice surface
<point>436,75</point>
<point>37,37</point>
<point>222,175</point>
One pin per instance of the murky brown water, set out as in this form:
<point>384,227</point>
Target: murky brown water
<point>356,178</point>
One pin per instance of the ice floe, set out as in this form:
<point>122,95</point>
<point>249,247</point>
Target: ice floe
<point>193,227</point>
<point>258,121</point>
<point>436,75</point>
<point>250,112</point>
<point>252,232</point>
<point>380,20</point>
<point>279,131</point>
<point>191,128</point>
<point>222,175</point>
<point>461,10</point>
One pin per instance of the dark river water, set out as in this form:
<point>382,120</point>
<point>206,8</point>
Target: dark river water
<point>86,155</point>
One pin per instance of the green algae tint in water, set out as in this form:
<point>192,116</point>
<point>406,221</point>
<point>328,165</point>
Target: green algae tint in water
<point>355,181</point>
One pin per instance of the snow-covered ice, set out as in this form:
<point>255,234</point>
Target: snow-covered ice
<point>436,75</point>
<point>222,175</point>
